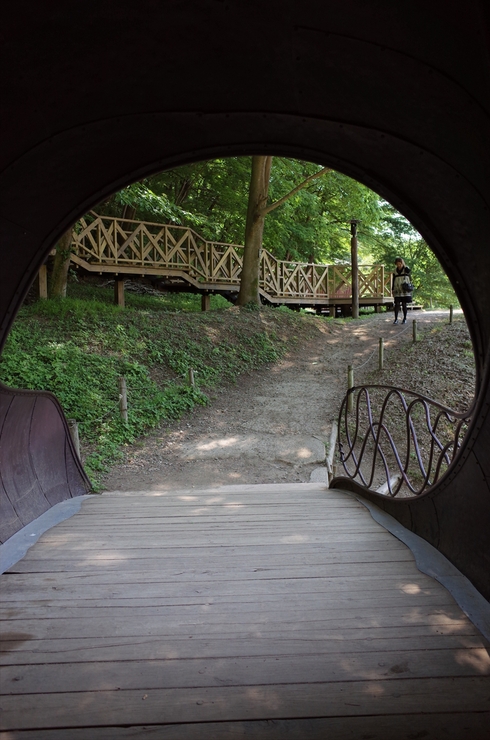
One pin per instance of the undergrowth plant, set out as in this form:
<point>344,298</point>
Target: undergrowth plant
<point>77,348</point>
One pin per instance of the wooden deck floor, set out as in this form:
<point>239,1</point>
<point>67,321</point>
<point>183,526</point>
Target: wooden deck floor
<point>257,612</point>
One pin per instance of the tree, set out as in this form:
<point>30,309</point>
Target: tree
<point>398,238</point>
<point>257,210</point>
<point>61,265</point>
<point>312,224</point>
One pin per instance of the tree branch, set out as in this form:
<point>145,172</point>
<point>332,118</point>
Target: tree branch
<point>273,206</point>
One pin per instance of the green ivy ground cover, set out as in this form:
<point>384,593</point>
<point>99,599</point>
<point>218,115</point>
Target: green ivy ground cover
<point>77,348</point>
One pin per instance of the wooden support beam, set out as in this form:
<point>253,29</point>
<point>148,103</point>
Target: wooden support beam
<point>205,302</point>
<point>43,282</point>
<point>119,292</point>
<point>355,269</point>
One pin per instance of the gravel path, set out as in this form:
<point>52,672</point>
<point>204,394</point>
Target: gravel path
<point>271,426</point>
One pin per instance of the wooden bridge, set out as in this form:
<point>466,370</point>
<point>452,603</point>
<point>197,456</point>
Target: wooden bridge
<point>186,261</point>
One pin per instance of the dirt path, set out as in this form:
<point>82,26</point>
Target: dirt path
<point>271,426</point>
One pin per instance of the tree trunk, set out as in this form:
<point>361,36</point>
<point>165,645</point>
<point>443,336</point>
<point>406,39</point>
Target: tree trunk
<point>59,276</point>
<point>254,228</point>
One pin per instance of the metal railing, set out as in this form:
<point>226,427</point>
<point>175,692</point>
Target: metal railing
<point>397,441</point>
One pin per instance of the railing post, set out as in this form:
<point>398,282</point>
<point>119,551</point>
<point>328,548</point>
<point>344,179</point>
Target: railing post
<point>451,314</point>
<point>119,292</point>
<point>354,269</point>
<point>331,449</point>
<point>75,437</point>
<point>414,330</point>
<point>43,282</point>
<point>123,400</point>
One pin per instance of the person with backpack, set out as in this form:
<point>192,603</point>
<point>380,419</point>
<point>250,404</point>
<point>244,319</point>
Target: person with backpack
<point>402,288</point>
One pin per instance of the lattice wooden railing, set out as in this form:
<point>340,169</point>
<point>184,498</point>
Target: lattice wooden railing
<point>120,243</point>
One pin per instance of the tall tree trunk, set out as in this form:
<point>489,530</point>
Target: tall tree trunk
<point>256,212</point>
<point>59,276</point>
<point>254,228</point>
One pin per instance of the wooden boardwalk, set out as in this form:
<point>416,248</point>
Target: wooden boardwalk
<point>180,257</point>
<point>280,611</point>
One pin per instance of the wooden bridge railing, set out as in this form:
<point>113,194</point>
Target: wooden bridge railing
<point>106,242</point>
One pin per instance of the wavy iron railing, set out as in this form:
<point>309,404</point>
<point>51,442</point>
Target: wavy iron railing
<point>397,441</point>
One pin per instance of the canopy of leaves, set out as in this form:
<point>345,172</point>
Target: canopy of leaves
<point>313,225</point>
<point>397,238</point>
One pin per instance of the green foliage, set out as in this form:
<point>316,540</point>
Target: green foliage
<point>212,197</point>
<point>166,302</point>
<point>79,348</point>
<point>398,238</point>
<point>312,225</point>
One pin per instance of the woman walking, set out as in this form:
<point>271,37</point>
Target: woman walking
<point>402,288</point>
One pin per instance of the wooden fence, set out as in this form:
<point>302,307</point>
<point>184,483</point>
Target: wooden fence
<point>135,247</point>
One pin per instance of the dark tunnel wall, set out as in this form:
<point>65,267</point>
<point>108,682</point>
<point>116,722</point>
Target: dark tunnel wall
<point>96,95</point>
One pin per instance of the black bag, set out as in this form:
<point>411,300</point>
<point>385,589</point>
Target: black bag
<point>407,286</point>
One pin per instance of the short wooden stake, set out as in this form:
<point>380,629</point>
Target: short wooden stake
<point>75,438</point>
<point>350,384</point>
<point>450,314</point>
<point>331,449</point>
<point>123,400</point>
<point>381,353</point>
<point>43,282</point>
<point>119,292</point>
<point>414,330</point>
<point>190,377</point>
<point>205,302</point>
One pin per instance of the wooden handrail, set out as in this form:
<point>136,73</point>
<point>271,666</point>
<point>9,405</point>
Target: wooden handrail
<point>125,243</point>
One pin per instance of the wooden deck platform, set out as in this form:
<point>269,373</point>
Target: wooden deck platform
<point>280,611</point>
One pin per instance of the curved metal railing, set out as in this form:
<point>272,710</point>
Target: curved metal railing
<point>397,441</point>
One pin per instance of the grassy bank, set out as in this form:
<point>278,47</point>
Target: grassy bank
<point>79,347</point>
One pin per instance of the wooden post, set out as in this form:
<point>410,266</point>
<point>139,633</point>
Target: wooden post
<point>350,384</point>
<point>205,302</point>
<point>119,292</point>
<point>331,449</point>
<point>75,438</point>
<point>123,400</point>
<point>381,353</point>
<point>43,282</point>
<point>190,377</point>
<point>451,314</point>
<point>414,330</point>
<point>354,269</point>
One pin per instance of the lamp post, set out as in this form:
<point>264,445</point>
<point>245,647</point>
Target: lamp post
<point>354,268</point>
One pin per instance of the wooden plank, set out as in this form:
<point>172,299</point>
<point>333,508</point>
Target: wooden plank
<point>158,559</point>
<point>351,544</point>
<point>166,674</point>
<point>447,725</point>
<point>247,613</point>
<point>369,589</point>
<point>21,650</point>
<point>219,537</point>
<point>152,706</point>
<point>202,628</point>
<point>238,575</point>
